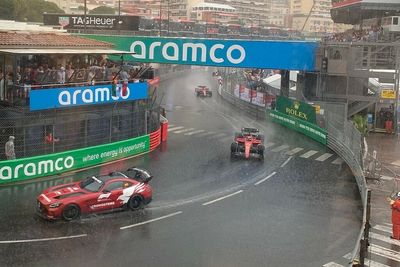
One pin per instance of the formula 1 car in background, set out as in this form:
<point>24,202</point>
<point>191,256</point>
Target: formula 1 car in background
<point>96,194</point>
<point>203,90</point>
<point>248,143</point>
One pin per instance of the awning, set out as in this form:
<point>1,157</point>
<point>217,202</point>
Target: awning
<point>30,51</point>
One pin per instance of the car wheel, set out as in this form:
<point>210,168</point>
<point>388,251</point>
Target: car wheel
<point>135,202</point>
<point>71,212</point>
<point>210,93</point>
<point>261,149</point>
<point>261,137</point>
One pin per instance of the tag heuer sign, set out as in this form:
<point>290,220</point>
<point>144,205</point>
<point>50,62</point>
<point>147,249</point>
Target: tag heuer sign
<point>296,109</point>
<point>63,21</point>
<point>100,22</point>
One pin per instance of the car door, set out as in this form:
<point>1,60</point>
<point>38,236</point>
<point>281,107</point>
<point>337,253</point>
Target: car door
<point>111,192</point>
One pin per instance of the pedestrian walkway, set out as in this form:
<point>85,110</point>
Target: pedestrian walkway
<point>319,156</point>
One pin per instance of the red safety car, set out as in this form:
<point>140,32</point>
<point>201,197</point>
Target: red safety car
<point>96,194</point>
<point>203,90</point>
<point>248,143</point>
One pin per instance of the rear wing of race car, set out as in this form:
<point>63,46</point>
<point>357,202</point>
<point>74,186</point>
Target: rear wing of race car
<point>137,174</point>
<point>250,130</point>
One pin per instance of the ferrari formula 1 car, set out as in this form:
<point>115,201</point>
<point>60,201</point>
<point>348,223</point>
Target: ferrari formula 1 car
<point>248,143</point>
<point>203,90</point>
<point>96,194</point>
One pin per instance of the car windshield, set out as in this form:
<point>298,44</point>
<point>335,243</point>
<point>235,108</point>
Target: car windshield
<point>91,184</point>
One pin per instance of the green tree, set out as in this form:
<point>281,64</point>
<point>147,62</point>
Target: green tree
<point>102,10</point>
<point>23,10</point>
<point>6,9</point>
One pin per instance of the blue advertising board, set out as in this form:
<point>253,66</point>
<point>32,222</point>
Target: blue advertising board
<point>85,95</point>
<point>287,55</point>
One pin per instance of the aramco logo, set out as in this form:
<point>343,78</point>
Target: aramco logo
<point>92,95</point>
<point>189,52</point>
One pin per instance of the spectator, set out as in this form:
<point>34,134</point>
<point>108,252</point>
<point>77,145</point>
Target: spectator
<point>2,84</point>
<point>61,75</point>
<point>9,148</point>
<point>49,139</point>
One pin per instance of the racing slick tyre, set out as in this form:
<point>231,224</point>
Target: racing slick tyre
<point>71,212</point>
<point>135,202</point>
<point>234,147</point>
<point>261,137</point>
<point>209,93</point>
<point>197,94</point>
<point>260,152</point>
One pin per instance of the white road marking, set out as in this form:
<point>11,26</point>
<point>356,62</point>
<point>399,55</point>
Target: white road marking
<point>266,178</point>
<point>383,228</point>
<point>152,220</point>
<point>308,154</point>
<point>194,132</point>
<point>337,161</point>
<point>206,133</point>
<point>384,238</point>
<point>332,264</point>
<point>42,239</point>
<point>367,262</point>
<point>280,148</point>
<point>386,178</point>
<point>286,162</point>
<point>267,145</point>
<point>184,130</point>
<point>221,198</point>
<point>324,157</point>
<point>389,224</point>
<point>385,252</point>
<point>175,128</point>
<point>294,151</point>
<point>171,125</point>
<point>372,263</point>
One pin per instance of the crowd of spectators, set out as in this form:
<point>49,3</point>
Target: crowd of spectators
<point>372,34</point>
<point>19,82</point>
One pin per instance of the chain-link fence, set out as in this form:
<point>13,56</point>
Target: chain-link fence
<point>57,130</point>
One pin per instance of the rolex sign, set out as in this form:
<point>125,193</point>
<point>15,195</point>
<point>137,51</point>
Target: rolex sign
<point>296,109</point>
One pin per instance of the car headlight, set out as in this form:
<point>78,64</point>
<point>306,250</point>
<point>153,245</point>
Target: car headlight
<point>55,205</point>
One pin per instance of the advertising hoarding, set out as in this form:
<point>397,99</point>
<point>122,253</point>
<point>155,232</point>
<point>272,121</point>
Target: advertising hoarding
<point>85,95</point>
<point>99,22</point>
<point>289,55</point>
<point>52,164</point>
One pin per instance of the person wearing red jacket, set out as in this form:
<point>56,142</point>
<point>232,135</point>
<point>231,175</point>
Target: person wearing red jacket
<point>395,205</point>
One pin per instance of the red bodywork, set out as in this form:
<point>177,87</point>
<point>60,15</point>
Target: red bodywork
<point>202,90</point>
<point>53,200</point>
<point>248,142</point>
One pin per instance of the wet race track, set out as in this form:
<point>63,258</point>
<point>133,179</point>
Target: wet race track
<point>300,207</point>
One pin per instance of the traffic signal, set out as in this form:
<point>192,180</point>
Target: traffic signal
<point>324,65</point>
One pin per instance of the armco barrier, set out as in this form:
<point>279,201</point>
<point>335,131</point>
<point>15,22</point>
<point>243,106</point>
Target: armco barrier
<point>306,128</point>
<point>57,163</point>
<point>155,139</point>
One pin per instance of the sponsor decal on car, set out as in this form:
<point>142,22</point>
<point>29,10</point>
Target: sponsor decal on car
<point>102,205</point>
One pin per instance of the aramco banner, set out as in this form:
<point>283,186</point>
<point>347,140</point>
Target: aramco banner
<point>52,164</point>
<point>297,109</point>
<point>288,55</point>
<point>87,95</point>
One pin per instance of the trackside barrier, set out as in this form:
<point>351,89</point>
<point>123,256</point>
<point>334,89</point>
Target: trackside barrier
<point>343,138</point>
<point>164,129</point>
<point>155,139</point>
<point>304,127</point>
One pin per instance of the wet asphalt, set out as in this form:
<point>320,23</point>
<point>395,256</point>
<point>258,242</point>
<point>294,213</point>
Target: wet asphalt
<point>307,214</point>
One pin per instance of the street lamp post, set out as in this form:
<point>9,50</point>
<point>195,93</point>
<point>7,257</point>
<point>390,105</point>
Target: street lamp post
<point>84,12</point>
<point>159,22</point>
<point>168,19</point>
<point>119,17</point>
